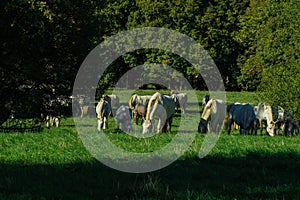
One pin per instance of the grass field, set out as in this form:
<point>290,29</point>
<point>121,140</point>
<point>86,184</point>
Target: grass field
<point>54,164</point>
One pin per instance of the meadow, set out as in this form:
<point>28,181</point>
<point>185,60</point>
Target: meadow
<point>54,164</point>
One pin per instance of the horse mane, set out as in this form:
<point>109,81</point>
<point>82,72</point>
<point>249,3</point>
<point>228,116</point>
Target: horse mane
<point>207,106</point>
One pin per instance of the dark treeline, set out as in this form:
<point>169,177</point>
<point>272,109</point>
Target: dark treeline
<point>254,43</point>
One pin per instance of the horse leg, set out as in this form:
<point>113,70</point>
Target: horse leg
<point>51,121</point>
<point>57,121</point>
<point>164,127</point>
<point>183,109</point>
<point>229,126</point>
<point>252,128</point>
<point>246,131</point>
<point>99,124</point>
<point>137,119</point>
<point>143,119</point>
<point>255,124</point>
<point>160,127</point>
<point>48,121</point>
<point>260,127</point>
<point>105,123</point>
<point>169,124</point>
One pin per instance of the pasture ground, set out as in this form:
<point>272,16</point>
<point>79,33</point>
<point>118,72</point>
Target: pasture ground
<point>54,164</point>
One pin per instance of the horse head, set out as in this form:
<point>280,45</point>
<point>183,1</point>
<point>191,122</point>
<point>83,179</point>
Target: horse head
<point>147,126</point>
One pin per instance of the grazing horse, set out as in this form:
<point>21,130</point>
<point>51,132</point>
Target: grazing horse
<point>212,116</point>
<point>103,109</point>
<point>243,115</point>
<point>123,118</point>
<point>180,100</point>
<point>161,107</point>
<point>264,112</point>
<point>137,99</point>
<point>140,101</point>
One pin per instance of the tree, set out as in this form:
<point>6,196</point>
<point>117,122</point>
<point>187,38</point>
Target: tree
<point>272,55</point>
<point>279,52</point>
<point>210,23</point>
<point>250,26</point>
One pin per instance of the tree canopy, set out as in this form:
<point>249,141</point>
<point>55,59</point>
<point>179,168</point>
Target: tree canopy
<point>254,43</point>
<point>270,62</point>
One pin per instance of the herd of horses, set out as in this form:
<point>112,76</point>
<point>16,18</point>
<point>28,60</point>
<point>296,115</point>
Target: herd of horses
<point>148,107</point>
<point>247,118</point>
<point>215,115</point>
<point>157,112</point>
<point>160,108</point>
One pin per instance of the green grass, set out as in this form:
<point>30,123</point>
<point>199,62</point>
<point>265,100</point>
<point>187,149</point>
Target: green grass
<point>54,164</point>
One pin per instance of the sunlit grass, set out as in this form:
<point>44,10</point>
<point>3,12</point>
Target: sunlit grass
<point>54,164</point>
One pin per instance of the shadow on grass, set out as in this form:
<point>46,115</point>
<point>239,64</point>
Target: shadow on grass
<point>252,177</point>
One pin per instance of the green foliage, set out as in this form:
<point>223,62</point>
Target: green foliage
<point>271,60</point>
<point>251,24</point>
<point>255,44</point>
<point>209,23</point>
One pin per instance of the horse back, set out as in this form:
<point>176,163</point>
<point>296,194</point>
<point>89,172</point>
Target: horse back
<point>243,115</point>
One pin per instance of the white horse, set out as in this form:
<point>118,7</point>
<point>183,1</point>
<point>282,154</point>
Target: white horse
<point>212,117</point>
<point>137,99</point>
<point>161,107</point>
<point>103,109</point>
<point>264,113</point>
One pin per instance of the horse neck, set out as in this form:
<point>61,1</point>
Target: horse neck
<point>269,115</point>
<point>153,100</point>
<point>207,110</point>
<point>148,111</point>
<point>153,111</point>
<point>206,113</point>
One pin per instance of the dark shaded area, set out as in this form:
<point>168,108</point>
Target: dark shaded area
<point>256,176</point>
<point>153,86</point>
